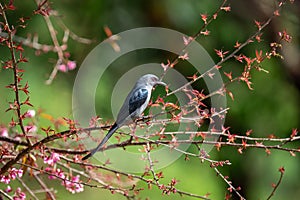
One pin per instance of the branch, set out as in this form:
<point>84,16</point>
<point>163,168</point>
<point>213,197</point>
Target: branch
<point>47,139</point>
<point>148,181</point>
<point>35,146</point>
<point>151,165</point>
<point>32,43</point>
<point>6,195</point>
<point>231,187</point>
<point>50,195</point>
<point>27,188</point>
<point>13,141</point>
<point>16,85</point>
<point>60,53</point>
<point>281,170</point>
<point>192,38</point>
<point>249,40</point>
<point>104,185</point>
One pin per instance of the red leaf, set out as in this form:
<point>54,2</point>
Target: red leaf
<point>281,169</point>
<point>249,132</point>
<point>258,37</point>
<point>226,8</point>
<point>258,24</point>
<point>259,56</point>
<point>221,54</point>
<point>19,48</point>
<point>294,132</point>
<point>204,18</point>
<point>186,41</point>
<point>11,6</point>
<point>184,57</point>
<point>229,75</point>
<point>237,44</point>
<point>107,31</point>
<point>206,32</point>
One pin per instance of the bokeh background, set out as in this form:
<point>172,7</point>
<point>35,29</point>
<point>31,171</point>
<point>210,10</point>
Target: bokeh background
<point>271,108</point>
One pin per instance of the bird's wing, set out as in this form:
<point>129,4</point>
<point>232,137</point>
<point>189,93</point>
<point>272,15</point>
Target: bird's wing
<point>138,98</point>
<point>135,99</point>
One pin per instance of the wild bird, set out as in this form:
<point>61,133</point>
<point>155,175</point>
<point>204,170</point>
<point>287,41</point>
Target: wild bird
<point>134,105</point>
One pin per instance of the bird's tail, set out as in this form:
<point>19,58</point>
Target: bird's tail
<point>104,140</point>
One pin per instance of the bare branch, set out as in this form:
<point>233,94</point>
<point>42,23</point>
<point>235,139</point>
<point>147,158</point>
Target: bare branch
<point>229,183</point>
<point>16,85</point>
<point>50,195</point>
<point>27,188</point>
<point>281,170</point>
<point>5,195</point>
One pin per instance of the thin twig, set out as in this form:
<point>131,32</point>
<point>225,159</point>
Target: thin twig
<point>132,176</point>
<point>74,36</point>
<point>34,146</point>
<point>27,188</point>
<point>229,183</point>
<point>151,165</point>
<point>32,43</point>
<point>50,195</point>
<point>6,195</point>
<point>281,170</point>
<point>56,44</point>
<point>192,38</point>
<point>216,66</point>
<point>16,84</point>
<point>104,186</point>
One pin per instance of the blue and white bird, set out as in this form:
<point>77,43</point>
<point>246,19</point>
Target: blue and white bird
<point>133,106</point>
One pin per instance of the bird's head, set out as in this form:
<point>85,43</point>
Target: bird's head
<point>150,79</point>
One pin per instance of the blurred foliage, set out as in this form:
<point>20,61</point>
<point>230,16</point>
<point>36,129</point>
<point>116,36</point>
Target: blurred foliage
<point>271,108</point>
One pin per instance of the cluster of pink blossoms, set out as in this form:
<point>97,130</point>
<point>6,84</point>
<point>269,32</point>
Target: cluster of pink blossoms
<point>73,185</point>
<point>70,65</point>
<point>30,128</point>
<point>19,195</point>
<point>12,175</point>
<point>52,159</point>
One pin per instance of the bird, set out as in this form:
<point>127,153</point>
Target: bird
<point>134,105</point>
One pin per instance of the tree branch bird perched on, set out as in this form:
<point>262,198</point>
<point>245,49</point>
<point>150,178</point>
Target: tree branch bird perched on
<point>133,106</point>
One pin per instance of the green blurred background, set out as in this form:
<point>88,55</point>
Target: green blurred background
<point>271,108</point>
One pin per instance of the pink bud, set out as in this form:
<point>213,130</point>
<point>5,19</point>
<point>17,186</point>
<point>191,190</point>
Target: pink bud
<point>71,65</point>
<point>67,54</point>
<point>30,114</point>
<point>62,68</point>
<point>30,128</point>
<point>8,189</point>
<point>3,131</point>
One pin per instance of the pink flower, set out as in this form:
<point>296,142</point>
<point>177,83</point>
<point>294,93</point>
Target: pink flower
<point>67,54</point>
<point>67,67</point>
<point>12,175</point>
<point>60,174</point>
<point>3,131</point>
<point>71,65</point>
<point>73,186</point>
<point>52,159</point>
<point>8,189</point>
<point>29,113</point>
<point>62,68</point>
<point>4,179</point>
<point>55,173</point>
<point>19,195</point>
<point>30,128</point>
